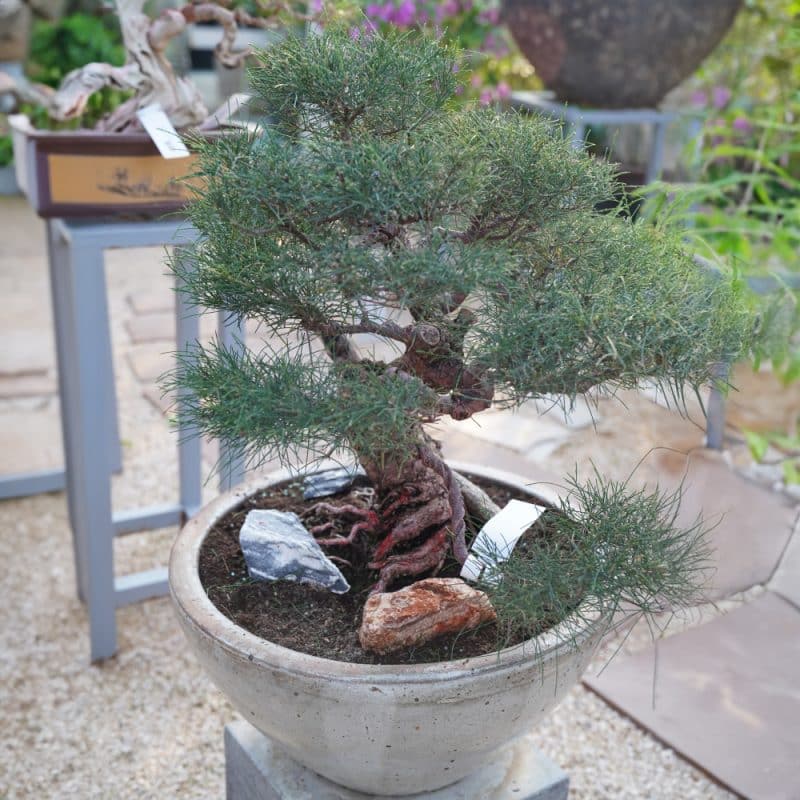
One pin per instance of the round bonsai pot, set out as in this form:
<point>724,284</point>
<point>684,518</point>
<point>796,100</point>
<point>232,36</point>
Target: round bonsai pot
<point>617,53</point>
<point>386,730</point>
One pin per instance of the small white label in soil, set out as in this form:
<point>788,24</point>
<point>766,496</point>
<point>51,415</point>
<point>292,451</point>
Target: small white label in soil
<point>499,535</point>
<point>162,132</point>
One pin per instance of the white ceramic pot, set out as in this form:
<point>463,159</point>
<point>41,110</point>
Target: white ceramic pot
<point>384,730</point>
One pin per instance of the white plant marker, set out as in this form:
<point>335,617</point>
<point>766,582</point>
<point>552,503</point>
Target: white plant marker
<point>162,132</point>
<point>499,536</point>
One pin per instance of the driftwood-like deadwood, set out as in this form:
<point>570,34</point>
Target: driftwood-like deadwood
<point>147,71</point>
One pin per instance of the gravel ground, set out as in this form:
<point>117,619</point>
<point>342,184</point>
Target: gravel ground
<point>147,723</point>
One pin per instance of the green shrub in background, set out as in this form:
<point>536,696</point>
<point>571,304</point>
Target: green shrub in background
<point>742,209</point>
<point>6,151</point>
<point>58,48</point>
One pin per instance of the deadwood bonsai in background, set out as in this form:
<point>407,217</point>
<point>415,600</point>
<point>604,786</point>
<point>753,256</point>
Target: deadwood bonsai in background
<point>468,239</point>
<point>147,74</point>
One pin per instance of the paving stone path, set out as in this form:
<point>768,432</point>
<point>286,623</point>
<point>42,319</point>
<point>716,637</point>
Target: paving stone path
<point>726,687</point>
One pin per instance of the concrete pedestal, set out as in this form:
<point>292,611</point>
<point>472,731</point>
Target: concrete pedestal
<point>256,769</point>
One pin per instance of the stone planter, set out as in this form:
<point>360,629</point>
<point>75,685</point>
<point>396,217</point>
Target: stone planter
<point>384,730</point>
<point>617,53</point>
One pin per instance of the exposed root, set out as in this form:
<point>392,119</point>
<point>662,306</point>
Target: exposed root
<point>428,556</point>
<point>432,460</point>
<point>412,494</point>
<point>477,502</point>
<point>434,512</point>
<point>369,522</point>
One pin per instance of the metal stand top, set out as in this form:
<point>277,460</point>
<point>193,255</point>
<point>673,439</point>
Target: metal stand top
<point>117,233</point>
<point>546,103</point>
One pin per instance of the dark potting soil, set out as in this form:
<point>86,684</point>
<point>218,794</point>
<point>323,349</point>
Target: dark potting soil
<point>315,621</point>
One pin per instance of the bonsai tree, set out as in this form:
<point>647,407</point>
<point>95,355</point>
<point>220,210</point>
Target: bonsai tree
<point>469,240</point>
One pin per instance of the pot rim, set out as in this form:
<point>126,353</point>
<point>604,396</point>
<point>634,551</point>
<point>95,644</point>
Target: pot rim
<point>193,603</point>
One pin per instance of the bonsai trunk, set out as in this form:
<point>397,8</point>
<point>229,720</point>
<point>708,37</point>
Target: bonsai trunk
<point>419,515</point>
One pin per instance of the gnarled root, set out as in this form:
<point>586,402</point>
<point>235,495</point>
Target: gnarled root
<point>428,556</point>
<point>434,512</point>
<point>369,522</point>
<point>436,463</point>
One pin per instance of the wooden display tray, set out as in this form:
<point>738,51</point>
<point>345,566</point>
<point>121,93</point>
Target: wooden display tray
<point>92,174</point>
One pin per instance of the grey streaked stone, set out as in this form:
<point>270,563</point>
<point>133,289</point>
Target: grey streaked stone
<point>257,769</point>
<point>278,547</point>
<point>330,481</point>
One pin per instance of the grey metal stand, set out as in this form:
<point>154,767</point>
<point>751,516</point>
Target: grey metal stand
<point>579,118</point>
<point>88,415</point>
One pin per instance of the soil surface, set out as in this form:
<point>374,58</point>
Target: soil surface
<point>315,621</point>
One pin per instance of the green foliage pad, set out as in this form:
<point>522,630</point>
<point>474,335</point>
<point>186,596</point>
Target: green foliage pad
<point>368,185</point>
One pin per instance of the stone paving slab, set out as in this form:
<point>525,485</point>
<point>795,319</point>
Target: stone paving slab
<point>786,581</point>
<point>149,363</point>
<point>148,302</point>
<point>753,524</point>
<point>726,696</point>
<point>526,434</point>
<point>31,439</point>
<point>31,384</point>
<point>157,327</point>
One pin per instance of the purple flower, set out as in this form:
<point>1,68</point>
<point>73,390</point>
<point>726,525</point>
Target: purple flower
<point>720,96</point>
<point>486,97</point>
<point>374,10</point>
<point>742,125</point>
<point>405,14</point>
<point>449,8</point>
<point>476,81</point>
<point>503,91</point>
<point>355,33</point>
<point>315,6</point>
<point>489,16</point>
<point>699,99</point>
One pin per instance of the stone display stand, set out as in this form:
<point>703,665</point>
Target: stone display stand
<point>256,769</point>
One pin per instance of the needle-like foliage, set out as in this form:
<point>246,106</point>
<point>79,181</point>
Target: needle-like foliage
<point>609,548</point>
<point>367,186</point>
<point>470,240</point>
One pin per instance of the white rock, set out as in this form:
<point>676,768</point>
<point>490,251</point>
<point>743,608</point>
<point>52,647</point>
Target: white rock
<point>278,547</point>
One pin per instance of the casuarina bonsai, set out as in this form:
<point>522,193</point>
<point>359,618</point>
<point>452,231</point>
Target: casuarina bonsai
<point>468,239</point>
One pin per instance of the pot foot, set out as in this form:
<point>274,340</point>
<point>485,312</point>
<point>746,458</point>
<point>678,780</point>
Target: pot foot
<point>257,769</point>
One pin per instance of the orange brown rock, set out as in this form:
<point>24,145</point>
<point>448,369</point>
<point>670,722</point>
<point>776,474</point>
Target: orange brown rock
<point>421,612</point>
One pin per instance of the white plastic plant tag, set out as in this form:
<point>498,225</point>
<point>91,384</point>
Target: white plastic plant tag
<point>499,536</point>
<point>162,132</point>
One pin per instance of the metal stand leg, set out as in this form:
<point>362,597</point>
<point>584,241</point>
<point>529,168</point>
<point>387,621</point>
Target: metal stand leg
<point>715,421</point>
<point>577,135</point>
<point>86,427</point>
<point>656,161</point>
<point>232,470</point>
<point>63,316</point>
<point>189,444</point>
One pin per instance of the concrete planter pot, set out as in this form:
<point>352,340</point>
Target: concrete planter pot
<point>617,53</point>
<point>384,730</point>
